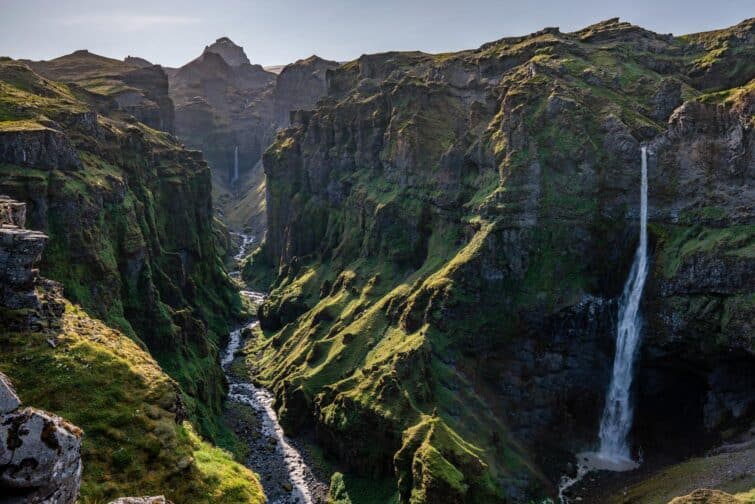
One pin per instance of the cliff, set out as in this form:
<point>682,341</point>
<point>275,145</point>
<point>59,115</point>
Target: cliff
<point>135,438</point>
<point>128,213</point>
<point>450,234</point>
<point>231,109</point>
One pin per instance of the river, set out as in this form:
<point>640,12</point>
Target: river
<point>280,464</point>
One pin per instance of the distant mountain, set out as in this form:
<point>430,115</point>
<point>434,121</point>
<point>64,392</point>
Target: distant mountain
<point>230,109</point>
<point>136,85</point>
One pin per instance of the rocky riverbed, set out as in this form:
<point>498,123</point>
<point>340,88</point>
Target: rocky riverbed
<point>281,463</point>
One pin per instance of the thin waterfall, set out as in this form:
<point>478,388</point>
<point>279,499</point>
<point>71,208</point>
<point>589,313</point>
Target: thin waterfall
<point>617,415</point>
<point>235,164</point>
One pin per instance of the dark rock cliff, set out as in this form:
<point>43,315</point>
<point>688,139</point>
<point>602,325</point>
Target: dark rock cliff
<point>128,213</point>
<point>450,234</point>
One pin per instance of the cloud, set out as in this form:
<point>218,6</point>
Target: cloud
<point>127,22</point>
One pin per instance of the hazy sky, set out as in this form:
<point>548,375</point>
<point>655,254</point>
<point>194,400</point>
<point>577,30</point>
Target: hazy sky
<point>280,31</point>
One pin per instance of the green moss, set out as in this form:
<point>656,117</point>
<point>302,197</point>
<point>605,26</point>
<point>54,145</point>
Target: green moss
<point>103,382</point>
<point>681,242</point>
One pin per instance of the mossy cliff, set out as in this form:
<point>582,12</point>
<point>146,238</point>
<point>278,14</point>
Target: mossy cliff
<point>129,215</point>
<point>449,233</point>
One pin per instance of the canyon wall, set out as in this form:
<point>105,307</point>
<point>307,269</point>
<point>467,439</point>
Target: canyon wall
<point>449,234</point>
<point>231,109</point>
<point>128,213</point>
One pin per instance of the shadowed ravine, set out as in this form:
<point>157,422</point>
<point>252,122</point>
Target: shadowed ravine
<point>284,474</point>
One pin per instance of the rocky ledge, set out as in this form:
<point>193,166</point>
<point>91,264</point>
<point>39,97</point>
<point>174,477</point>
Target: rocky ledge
<point>42,148</point>
<point>142,500</point>
<point>20,248</point>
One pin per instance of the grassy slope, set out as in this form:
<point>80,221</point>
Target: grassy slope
<point>357,352</point>
<point>726,472</point>
<point>102,381</point>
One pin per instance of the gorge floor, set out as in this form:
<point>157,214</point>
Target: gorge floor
<point>281,463</point>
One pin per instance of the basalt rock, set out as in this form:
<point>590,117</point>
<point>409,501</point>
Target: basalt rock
<point>40,459</point>
<point>41,148</point>
<point>20,249</point>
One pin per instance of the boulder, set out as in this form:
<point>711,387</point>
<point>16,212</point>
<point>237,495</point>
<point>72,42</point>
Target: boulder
<point>142,500</point>
<point>40,458</point>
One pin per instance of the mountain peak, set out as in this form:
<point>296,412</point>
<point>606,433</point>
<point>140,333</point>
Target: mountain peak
<point>232,54</point>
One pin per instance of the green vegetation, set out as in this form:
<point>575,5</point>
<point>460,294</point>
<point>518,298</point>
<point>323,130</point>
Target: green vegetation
<point>337,493</point>
<point>130,412</point>
<point>472,199</point>
<point>131,233</point>
<point>726,472</point>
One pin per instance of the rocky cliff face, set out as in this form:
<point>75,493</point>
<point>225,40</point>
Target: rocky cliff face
<point>231,109</point>
<point>20,249</point>
<point>109,245</point>
<point>128,213</point>
<point>450,234</point>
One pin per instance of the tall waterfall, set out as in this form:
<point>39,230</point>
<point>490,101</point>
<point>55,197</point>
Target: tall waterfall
<point>617,415</point>
<point>235,164</point>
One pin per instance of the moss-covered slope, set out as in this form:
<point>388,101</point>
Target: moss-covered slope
<point>129,215</point>
<point>136,437</point>
<point>450,232</point>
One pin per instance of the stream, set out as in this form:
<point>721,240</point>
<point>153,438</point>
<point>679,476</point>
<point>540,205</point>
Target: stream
<point>281,466</point>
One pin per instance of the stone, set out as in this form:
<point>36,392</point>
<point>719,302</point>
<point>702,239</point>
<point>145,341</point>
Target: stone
<point>159,499</point>
<point>706,496</point>
<point>667,97</point>
<point>40,458</point>
<point>9,401</point>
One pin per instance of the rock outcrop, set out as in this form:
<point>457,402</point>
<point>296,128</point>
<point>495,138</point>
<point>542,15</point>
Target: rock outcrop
<point>20,249</point>
<point>41,147</point>
<point>142,500</point>
<point>40,454</point>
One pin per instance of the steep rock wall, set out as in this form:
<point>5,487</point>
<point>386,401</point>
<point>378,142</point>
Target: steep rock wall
<point>449,234</point>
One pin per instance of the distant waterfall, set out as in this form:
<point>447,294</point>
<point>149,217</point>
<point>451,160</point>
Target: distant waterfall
<point>235,164</point>
<point>617,415</point>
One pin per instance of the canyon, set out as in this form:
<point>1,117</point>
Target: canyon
<point>408,275</point>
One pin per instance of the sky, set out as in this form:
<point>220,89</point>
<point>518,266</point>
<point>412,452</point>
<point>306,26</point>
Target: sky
<point>273,32</point>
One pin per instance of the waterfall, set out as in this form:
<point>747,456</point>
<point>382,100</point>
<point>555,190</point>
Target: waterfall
<point>235,164</point>
<point>617,415</point>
